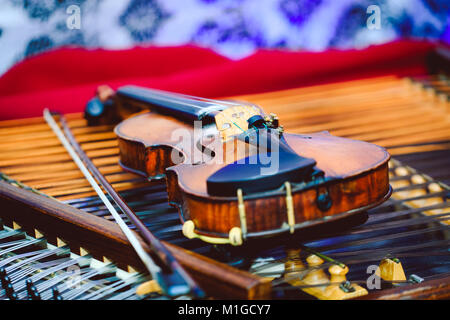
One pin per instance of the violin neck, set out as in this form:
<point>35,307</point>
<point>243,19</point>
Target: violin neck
<point>182,107</point>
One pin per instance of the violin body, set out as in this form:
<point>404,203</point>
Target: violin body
<point>232,172</point>
<point>354,178</point>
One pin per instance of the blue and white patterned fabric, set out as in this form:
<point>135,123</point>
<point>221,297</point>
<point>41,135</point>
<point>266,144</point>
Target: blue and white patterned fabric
<point>234,28</point>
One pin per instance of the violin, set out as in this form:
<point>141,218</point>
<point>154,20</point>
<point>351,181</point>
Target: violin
<point>232,172</point>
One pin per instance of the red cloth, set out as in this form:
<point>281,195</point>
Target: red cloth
<point>65,79</point>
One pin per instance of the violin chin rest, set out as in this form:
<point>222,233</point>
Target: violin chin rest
<point>259,173</point>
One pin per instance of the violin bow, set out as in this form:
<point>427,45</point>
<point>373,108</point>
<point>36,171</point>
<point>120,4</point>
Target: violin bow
<point>172,278</point>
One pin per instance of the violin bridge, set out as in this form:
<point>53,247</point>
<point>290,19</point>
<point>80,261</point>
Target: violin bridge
<point>391,270</point>
<point>233,121</point>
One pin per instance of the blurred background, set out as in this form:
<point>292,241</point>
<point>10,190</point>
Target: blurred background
<point>234,28</point>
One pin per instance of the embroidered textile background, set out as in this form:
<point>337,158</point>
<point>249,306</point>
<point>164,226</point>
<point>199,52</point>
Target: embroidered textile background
<point>234,28</point>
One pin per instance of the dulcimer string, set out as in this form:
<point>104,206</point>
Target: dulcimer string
<point>83,162</point>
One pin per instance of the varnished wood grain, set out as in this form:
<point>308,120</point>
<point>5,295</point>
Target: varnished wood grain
<point>436,289</point>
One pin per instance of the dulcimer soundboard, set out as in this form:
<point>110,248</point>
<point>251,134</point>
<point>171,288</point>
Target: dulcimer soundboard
<point>53,225</point>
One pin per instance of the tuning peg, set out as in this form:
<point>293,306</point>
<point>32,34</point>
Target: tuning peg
<point>340,288</point>
<point>338,273</point>
<point>104,93</point>
<point>56,294</point>
<point>316,275</point>
<point>293,261</point>
<point>101,109</point>
<point>2,276</point>
<point>10,292</point>
<point>33,294</point>
<point>5,281</point>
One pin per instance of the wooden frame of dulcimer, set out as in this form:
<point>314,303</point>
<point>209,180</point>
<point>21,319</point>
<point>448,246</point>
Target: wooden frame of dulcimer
<point>58,222</point>
<point>319,178</point>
